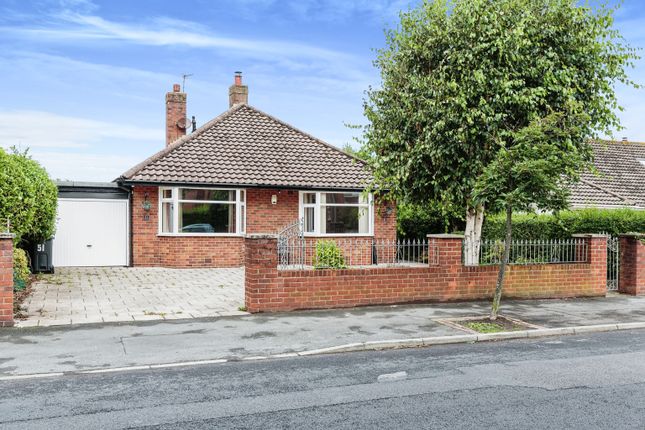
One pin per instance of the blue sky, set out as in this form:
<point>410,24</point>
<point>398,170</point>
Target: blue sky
<point>83,83</point>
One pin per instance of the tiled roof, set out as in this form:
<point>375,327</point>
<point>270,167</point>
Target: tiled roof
<point>620,180</point>
<point>246,147</point>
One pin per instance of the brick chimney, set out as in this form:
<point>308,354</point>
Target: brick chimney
<point>238,93</point>
<point>175,114</point>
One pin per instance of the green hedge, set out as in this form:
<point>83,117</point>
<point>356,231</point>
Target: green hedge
<point>28,197</point>
<point>566,223</point>
<point>416,221</point>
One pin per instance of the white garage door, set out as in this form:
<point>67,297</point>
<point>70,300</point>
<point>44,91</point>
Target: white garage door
<point>91,232</point>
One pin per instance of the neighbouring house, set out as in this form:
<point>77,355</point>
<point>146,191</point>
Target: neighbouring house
<point>243,172</point>
<point>620,180</point>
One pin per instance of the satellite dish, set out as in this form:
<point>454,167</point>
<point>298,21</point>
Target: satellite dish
<point>181,123</point>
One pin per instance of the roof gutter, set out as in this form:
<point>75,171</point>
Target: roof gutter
<point>202,185</point>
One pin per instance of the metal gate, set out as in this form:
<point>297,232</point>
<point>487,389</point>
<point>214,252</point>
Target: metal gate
<point>613,263</point>
<point>291,244</point>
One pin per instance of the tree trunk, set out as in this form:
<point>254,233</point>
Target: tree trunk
<point>473,234</point>
<point>502,267</point>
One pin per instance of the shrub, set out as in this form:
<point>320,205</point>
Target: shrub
<point>566,223</point>
<point>417,221</point>
<point>328,256</point>
<point>20,269</point>
<point>27,197</point>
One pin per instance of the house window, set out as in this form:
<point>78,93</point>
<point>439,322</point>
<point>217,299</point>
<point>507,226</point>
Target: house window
<point>344,213</point>
<point>201,211</point>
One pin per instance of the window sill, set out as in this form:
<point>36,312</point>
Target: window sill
<point>340,235</point>
<point>200,235</point>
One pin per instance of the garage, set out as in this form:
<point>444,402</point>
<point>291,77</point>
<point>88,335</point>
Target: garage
<point>92,225</point>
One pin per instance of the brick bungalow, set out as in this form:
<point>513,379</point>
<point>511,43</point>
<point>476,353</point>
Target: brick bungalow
<point>241,173</point>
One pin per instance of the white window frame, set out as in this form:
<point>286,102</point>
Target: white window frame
<point>318,208</point>
<point>175,200</point>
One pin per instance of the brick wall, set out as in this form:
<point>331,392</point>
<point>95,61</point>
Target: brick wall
<point>385,220</point>
<point>6,280</point>
<point>267,289</point>
<point>632,264</point>
<point>263,217</point>
<point>150,249</point>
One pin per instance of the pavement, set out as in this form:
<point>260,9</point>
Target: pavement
<point>32,351</point>
<point>590,381</point>
<point>82,295</point>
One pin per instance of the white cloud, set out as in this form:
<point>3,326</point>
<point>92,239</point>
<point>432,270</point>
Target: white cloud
<point>35,129</point>
<point>167,32</point>
<point>84,166</point>
<point>77,148</point>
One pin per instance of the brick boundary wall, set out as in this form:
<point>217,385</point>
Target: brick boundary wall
<point>6,280</point>
<point>631,274</point>
<point>268,289</point>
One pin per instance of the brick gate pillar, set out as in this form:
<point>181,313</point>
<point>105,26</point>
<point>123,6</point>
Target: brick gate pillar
<point>597,259</point>
<point>260,271</point>
<point>631,272</point>
<point>6,279</point>
<point>449,248</point>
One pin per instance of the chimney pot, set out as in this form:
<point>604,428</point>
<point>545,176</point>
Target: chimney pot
<point>238,78</point>
<point>176,88</point>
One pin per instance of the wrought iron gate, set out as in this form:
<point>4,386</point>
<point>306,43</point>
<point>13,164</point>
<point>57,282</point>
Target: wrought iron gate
<point>291,244</point>
<point>613,263</point>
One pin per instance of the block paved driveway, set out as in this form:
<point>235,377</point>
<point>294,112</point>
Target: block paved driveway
<point>82,295</point>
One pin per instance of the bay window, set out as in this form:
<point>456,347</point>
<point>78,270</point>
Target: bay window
<point>201,211</point>
<point>336,213</point>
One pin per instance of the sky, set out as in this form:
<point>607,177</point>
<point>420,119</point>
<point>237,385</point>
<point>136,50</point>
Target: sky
<point>83,82</point>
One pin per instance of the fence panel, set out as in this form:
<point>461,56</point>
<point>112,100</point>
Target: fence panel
<point>300,252</point>
<point>522,252</point>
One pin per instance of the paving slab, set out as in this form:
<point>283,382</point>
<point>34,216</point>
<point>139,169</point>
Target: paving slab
<point>84,295</point>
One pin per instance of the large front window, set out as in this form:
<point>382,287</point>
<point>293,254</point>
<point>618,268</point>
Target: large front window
<point>344,213</point>
<point>201,211</point>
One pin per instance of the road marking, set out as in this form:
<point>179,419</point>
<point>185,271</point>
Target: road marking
<point>187,363</point>
<point>114,369</point>
<point>392,377</point>
<point>31,376</point>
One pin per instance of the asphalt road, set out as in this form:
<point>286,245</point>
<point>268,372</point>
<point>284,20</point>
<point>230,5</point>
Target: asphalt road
<point>592,381</point>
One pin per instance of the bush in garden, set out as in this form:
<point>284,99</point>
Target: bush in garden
<point>417,221</point>
<point>20,269</point>
<point>27,197</point>
<point>328,256</point>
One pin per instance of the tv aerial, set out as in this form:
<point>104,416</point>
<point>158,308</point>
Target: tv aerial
<point>183,122</point>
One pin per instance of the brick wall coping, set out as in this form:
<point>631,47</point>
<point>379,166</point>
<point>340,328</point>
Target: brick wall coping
<point>589,235</point>
<point>446,236</point>
<point>4,235</point>
<point>261,236</point>
<point>633,234</point>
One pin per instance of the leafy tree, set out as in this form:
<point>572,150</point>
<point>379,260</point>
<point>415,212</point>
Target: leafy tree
<point>415,221</point>
<point>469,87</point>
<point>28,197</point>
<point>533,173</point>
